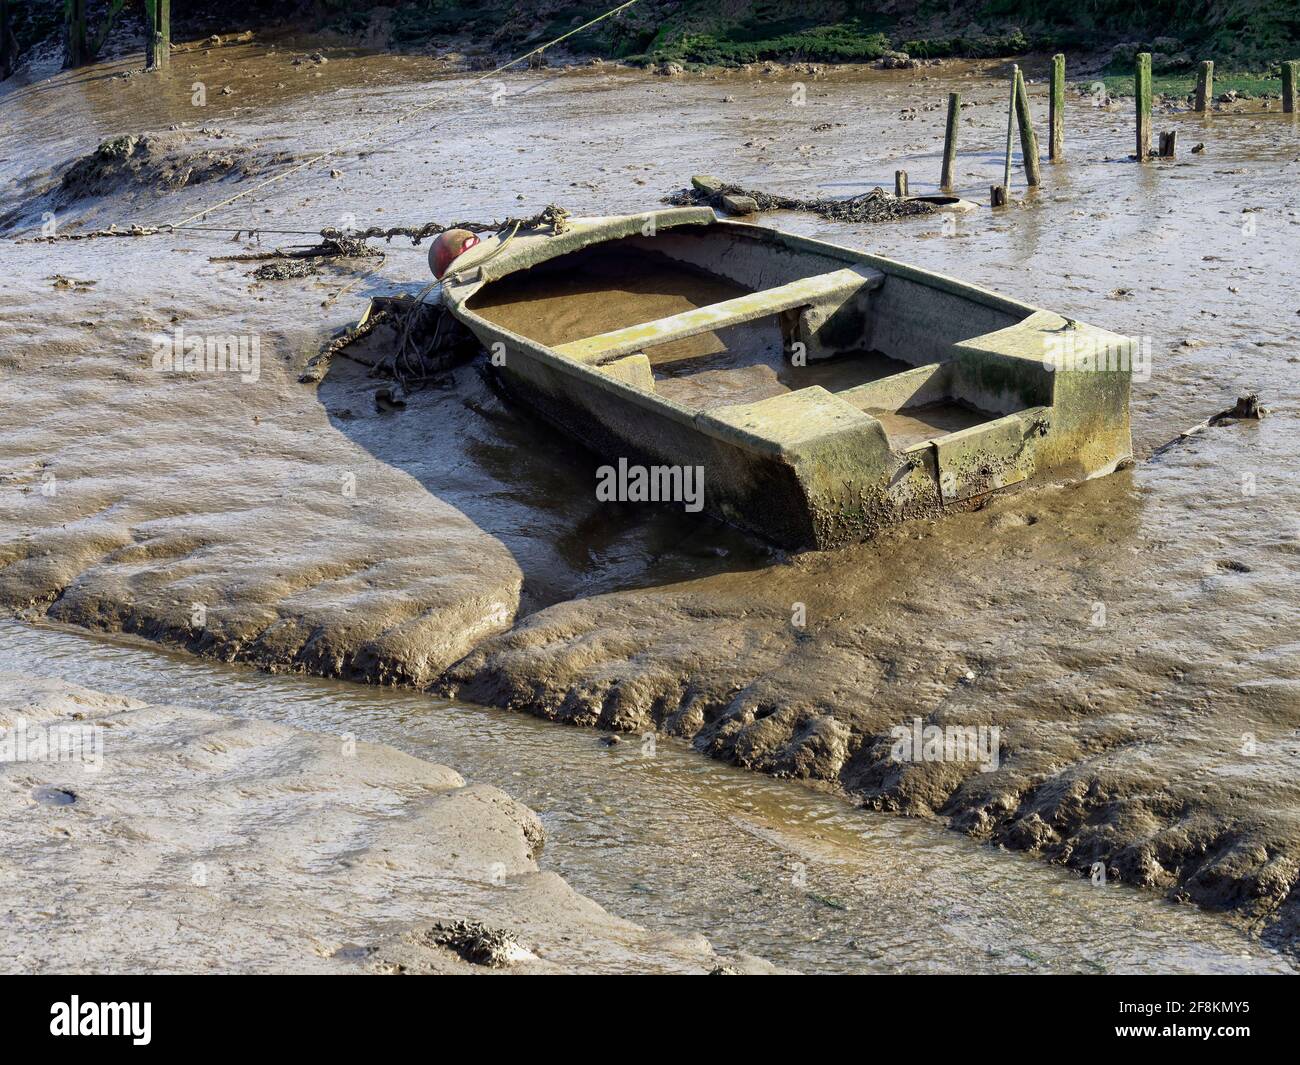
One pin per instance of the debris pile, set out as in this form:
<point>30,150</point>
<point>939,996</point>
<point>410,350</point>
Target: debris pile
<point>479,944</point>
<point>425,342</point>
<point>874,206</point>
<point>162,162</point>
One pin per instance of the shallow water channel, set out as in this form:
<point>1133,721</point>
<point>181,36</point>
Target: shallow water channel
<point>678,842</point>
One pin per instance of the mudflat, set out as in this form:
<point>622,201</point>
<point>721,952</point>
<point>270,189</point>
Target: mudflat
<point>179,840</point>
<point>1132,638</point>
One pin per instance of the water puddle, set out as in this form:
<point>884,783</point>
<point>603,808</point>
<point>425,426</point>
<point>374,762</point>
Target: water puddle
<point>678,842</point>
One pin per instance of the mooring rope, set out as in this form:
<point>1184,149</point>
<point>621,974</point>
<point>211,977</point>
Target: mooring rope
<point>552,216</point>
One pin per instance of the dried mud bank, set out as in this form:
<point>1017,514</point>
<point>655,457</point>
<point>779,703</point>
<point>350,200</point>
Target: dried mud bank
<point>457,545</point>
<point>208,843</point>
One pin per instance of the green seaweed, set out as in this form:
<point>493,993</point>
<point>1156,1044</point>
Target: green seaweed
<point>1244,84</point>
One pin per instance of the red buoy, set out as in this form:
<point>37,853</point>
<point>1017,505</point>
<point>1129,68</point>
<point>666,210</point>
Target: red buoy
<point>447,246</point>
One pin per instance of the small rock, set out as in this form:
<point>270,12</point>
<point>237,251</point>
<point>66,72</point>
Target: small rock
<point>896,61</point>
<point>734,204</point>
<point>387,400</point>
<point>47,795</point>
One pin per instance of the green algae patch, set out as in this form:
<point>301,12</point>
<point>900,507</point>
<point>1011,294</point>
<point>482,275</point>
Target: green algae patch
<point>842,42</point>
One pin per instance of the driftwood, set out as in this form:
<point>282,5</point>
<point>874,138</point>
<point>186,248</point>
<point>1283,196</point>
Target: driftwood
<point>1246,408</point>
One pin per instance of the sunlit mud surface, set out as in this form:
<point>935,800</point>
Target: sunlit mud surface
<point>1133,637</point>
<point>684,844</point>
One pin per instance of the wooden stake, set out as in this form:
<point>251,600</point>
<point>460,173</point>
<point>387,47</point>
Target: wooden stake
<point>158,34</point>
<point>1290,75</point>
<point>1028,142</point>
<point>950,142</point>
<point>1011,125</point>
<point>1205,85</point>
<point>1142,93</point>
<point>74,53</point>
<point>164,32</point>
<point>900,183</point>
<point>1056,111</point>
<point>997,195</point>
<point>1168,144</point>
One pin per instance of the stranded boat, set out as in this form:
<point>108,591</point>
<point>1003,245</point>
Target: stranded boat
<point>822,392</point>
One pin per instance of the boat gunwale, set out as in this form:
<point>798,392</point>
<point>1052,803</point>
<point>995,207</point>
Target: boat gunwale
<point>607,230</point>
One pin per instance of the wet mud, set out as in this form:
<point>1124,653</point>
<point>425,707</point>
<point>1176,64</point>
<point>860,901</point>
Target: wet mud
<point>1131,637</point>
<point>140,170</point>
<point>679,844</point>
<point>306,853</point>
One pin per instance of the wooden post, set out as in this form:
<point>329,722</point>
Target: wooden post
<point>997,195</point>
<point>1290,75</point>
<point>950,142</point>
<point>1205,85</point>
<point>1028,142</point>
<point>1168,144</point>
<point>1142,93</point>
<point>164,32</point>
<point>74,53</point>
<point>158,34</point>
<point>1056,111</point>
<point>1011,125</point>
<point>900,183</point>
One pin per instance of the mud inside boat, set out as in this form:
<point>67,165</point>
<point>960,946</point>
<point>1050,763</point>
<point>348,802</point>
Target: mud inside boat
<point>823,391</point>
<point>615,286</point>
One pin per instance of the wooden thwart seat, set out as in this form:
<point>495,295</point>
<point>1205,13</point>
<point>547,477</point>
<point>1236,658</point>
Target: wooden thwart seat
<point>838,284</point>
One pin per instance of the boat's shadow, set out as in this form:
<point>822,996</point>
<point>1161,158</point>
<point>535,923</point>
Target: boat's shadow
<point>530,487</point>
